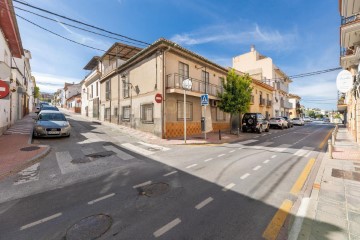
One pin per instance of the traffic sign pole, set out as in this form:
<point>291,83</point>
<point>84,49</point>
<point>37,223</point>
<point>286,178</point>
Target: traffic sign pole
<point>185,115</point>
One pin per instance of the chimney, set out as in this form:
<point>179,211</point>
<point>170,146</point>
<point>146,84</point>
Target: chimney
<point>252,49</point>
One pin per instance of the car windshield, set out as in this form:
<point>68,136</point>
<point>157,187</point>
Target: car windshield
<point>49,108</point>
<point>52,117</point>
<point>247,116</point>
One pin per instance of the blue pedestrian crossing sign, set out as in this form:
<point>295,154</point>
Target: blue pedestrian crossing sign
<point>204,99</point>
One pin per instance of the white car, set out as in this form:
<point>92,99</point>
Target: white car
<point>298,121</point>
<point>278,122</point>
<point>307,119</point>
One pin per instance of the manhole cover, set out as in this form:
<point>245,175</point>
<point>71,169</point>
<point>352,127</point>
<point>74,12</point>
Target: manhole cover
<point>90,227</point>
<point>29,149</point>
<point>154,190</point>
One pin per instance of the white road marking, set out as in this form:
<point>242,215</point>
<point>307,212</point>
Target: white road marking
<point>273,156</point>
<point>248,141</point>
<point>137,149</point>
<point>101,198</point>
<point>266,161</point>
<point>207,160</point>
<point>221,155</point>
<point>142,184</point>
<point>257,168</point>
<point>64,161</point>
<point>40,221</point>
<point>192,165</point>
<point>240,148</point>
<point>29,174</point>
<point>232,151</point>
<point>244,176</point>
<point>300,215</point>
<point>167,227</point>
<point>121,154</point>
<point>170,173</point>
<point>301,152</point>
<point>161,148</point>
<point>229,186</point>
<point>308,154</point>
<point>204,203</point>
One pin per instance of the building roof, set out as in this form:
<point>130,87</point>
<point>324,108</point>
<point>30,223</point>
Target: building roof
<point>92,63</point>
<point>9,26</point>
<point>121,50</point>
<point>163,44</point>
<point>294,96</point>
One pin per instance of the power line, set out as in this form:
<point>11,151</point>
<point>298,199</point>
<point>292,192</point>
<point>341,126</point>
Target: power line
<point>59,34</point>
<point>73,26</point>
<point>79,22</point>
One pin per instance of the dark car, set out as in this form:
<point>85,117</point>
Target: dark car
<point>289,121</point>
<point>49,107</point>
<point>255,122</point>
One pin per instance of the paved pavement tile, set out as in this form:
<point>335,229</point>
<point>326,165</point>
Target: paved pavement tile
<point>331,219</point>
<point>354,193</point>
<point>332,202</point>
<point>339,188</point>
<point>332,195</point>
<point>354,237</point>
<point>353,203</point>
<point>323,231</point>
<point>354,228</point>
<point>331,209</point>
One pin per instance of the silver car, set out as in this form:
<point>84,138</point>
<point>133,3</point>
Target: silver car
<point>51,123</point>
<point>278,122</point>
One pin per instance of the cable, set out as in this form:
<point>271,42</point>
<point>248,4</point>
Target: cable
<point>59,34</point>
<point>73,26</point>
<point>82,23</point>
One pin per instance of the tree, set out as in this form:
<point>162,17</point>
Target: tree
<point>36,92</point>
<point>237,94</point>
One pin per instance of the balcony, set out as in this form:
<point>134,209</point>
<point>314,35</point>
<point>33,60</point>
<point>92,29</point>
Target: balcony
<point>262,101</point>
<point>285,104</point>
<point>268,103</point>
<point>281,86</point>
<point>346,20</point>
<point>174,81</point>
<point>109,67</point>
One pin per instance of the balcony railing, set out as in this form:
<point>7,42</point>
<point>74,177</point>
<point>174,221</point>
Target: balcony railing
<point>175,80</point>
<point>268,103</point>
<point>112,66</point>
<point>262,101</point>
<point>341,101</point>
<point>283,87</point>
<point>346,20</point>
<point>285,104</point>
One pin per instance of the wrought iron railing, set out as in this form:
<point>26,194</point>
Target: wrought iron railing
<point>262,101</point>
<point>175,80</point>
<point>346,20</point>
<point>268,103</point>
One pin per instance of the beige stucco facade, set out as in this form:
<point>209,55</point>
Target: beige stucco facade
<point>263,69</point>
<point>127,92</point>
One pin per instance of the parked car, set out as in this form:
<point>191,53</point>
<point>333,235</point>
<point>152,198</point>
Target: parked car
<point>51,123</point>
<point>255,122</point>
<point>289,121</point>
<point>49,107</point>
<point>307,119</point>
<point>278,122</point>
<point>298,121</point>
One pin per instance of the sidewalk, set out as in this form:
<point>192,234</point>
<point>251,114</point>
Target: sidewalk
<point>334,208</point>
<point>16,150</point>
<point>211,138</point>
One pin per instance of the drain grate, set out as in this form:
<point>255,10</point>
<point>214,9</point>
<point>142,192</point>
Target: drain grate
<point>90,227</point>
<point>29,149</point>
<point>154,190</point>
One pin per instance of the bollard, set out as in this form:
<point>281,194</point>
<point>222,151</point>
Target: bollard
<point>330,148</point>
<point>238,133</point>
<point>219,134</point>
<point>333,136</point>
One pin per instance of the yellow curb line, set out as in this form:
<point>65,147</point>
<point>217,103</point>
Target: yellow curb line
<point>272,230</point>
<point>325,139</point>
<point>302,178</point>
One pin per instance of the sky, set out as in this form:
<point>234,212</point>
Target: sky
<point>300,36</point>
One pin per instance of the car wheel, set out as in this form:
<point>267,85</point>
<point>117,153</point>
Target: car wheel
<point>244,129</point>
<point>260,129</point>
<point>282,127</point>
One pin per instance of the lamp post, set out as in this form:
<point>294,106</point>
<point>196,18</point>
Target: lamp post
<point>186,84</point>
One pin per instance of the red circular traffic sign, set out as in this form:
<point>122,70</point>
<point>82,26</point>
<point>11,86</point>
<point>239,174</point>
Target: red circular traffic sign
<point>158,98</point>
<point>4,89</point>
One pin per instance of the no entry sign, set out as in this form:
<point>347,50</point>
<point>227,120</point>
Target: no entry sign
<point>158,98</point>
<point>4,89</point>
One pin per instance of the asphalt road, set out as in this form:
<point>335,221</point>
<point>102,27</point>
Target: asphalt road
<point>229,191</point>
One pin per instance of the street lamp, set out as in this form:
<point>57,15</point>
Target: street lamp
<point>186,84</point>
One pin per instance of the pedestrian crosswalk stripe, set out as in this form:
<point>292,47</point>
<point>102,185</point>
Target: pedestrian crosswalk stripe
<point>64,161</point>
<point>161,148</point>
<point>119,153</point>
<point>137,149</point>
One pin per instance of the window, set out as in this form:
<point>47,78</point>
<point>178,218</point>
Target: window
<point>147,113</point>
<point>115,111</point>
<point>220,115</point>
<point>126,113</point>
<point>107,90</point>
<point>180,110</point>
<point>205,81</point>
<point>183,71</point>
<point>91,91</point>
<point>126,87</point>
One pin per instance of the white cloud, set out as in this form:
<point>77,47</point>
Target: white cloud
<point>228,33</point>
<point>50,83</point>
